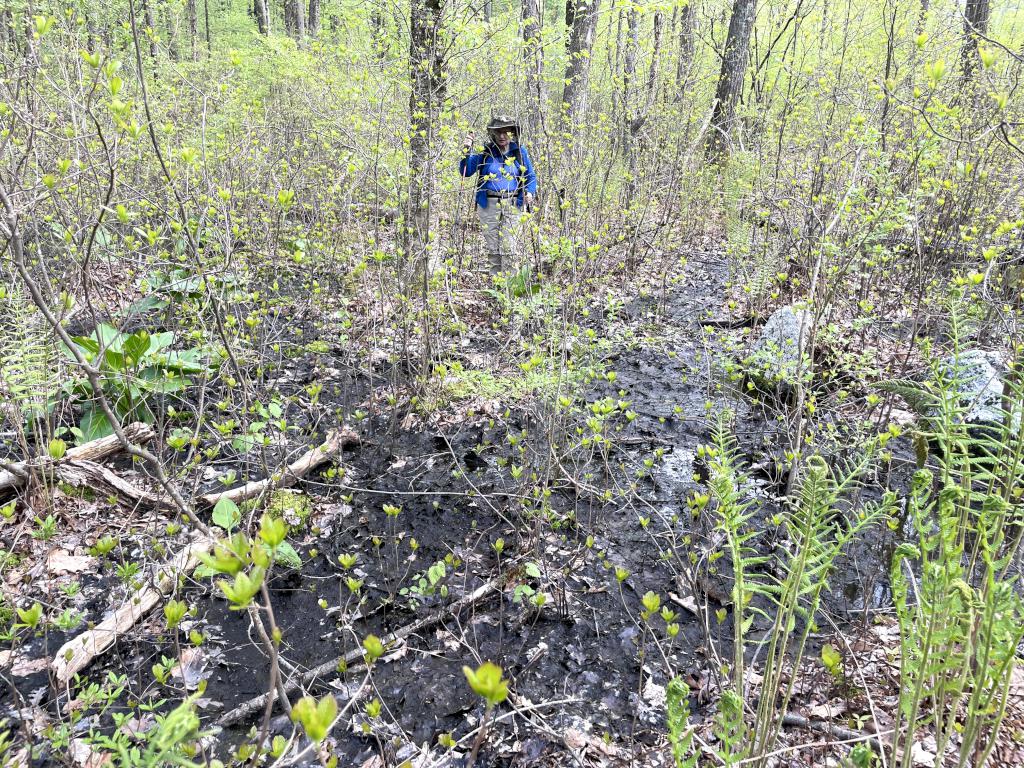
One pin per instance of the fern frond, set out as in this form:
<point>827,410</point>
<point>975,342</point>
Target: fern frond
<point>920,396</point>
<point>27,375</point>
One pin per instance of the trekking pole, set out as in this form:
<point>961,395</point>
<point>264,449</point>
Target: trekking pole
<point>460,222</point>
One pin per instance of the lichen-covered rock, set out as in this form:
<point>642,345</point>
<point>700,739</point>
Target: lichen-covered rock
<point>978,377</point>
<point>777,359</point>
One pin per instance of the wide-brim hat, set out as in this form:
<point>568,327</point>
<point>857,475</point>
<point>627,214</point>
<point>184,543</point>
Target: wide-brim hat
<point>503,123</point>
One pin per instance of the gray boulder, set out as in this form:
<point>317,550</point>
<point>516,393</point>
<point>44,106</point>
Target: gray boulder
<point>776,360</point>
<point>978,376</point>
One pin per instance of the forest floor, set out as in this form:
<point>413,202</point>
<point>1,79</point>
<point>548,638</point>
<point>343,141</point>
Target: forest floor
<point>587,681</point>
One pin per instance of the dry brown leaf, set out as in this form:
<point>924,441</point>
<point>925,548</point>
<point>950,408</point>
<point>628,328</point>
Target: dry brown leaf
<point>191,667</point>
<point>922,756</point>
<point>22,666</point>
<point>575,739</point>
<point>86,756</point>
<point>827,711</point>
<point>60,562</point>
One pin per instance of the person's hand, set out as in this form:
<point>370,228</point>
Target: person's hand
<point>528,197</point>
<point>468,143</point>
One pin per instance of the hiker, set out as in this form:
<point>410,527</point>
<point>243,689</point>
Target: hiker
<point>507,186</point>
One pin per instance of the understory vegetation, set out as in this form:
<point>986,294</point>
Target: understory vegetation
<point>724,469</point>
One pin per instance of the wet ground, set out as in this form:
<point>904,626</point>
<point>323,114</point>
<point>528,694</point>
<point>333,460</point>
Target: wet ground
<point>569,518</point>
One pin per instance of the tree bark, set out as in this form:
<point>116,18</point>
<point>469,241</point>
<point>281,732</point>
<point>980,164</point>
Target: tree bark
<point>686,48</point>
<point>206,20</point>
<point>147,15</point>
<point>172,34</point>
<point>94,450</point>
<point>7,28</point>
<point>976,15</point>
<point>426,76</point>
<point>300,21</point>
<point>192,9</point>
<point>295,19</point>
<point>577,68</point>
<point>262,16</point>
<point>533,56</point>
<point>638,112</point>
<point>314,18</point>
<point>730,78</point>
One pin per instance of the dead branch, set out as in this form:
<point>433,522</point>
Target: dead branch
<point>356,654</point>
<point>835,731</point>
<point>79,652</point>
<point>76,654</point>
<point>93,476</point>
<point>95,450</point>
<point>336,440</point>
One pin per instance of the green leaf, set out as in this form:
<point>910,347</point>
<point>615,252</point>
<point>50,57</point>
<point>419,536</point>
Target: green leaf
<point>87,344</point>
<point>94,424</point>
<point>373,647</point>
<point>135,346</point>
<point>159,341</point>
<point>315,716</point>
<point>30,616</point>
<point>286,555</point>
<point>487,682</point>
<point>532,570</point>
<point>831,659</point>
<point>226,514</point>
<point>114,360</point>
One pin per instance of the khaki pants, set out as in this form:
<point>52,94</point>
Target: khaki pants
<point>500,224</point>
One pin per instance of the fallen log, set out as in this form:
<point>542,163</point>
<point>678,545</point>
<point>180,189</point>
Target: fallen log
<point>335,441</point>
<point>89,474</point>
<point>356,654</point>
<point>95,450</point>
<point>76,654</point>
<point>83,473</point>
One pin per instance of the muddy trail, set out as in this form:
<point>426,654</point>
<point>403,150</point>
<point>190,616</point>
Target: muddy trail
<point>434,512</point>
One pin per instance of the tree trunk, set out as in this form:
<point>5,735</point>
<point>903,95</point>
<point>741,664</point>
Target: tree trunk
<point>730,78</point>
<point>686,48</point>
<point>426,76</point>
<point>488,10</point>
<point>975,23</point>
<point>262,16</point>
<point>192,10</point>
<point>533,56</point>
<point>172,34</point>
<point>637,113</point>
<point>314,18</point>
<point>147,15</point>
<point>300,21</point>
<point>577,67</point>
<point>7,29</point>
<point>629,59</point>
<point>206,20</point>
<point>378,29</point>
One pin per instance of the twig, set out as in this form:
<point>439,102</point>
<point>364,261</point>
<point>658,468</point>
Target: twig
<point>356,655</point>
<point>836,731</point>
<point>336,440</point>
<point>76,654</point>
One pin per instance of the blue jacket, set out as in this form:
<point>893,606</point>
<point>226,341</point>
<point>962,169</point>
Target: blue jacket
<point>499,174</point>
